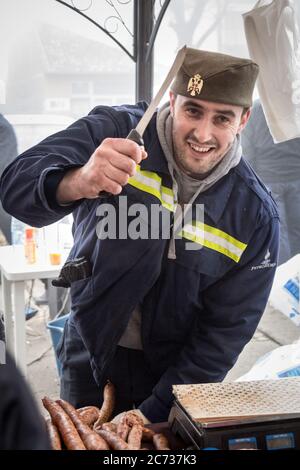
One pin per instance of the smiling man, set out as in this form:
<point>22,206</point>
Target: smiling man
<point>151,313</point>
<point>203,132</point>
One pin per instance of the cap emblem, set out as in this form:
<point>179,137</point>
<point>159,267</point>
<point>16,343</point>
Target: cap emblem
<point>195,85</point>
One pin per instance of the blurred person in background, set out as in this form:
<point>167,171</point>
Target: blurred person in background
<point>8,151</point>
<point>278,165</point>
<point>21,424</point>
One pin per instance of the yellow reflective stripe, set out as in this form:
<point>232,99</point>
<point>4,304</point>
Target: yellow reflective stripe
<point>148,174</point>
<point>212,246</point>
<point>150,182</point>
<point>170,207</point>
<point>221,234</point>
<point>143,187</point>
<point>214,239</point>
<point>167,191</point>
<point>167,198</point>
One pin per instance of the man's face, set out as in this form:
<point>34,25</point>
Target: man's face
<point>203,132</point>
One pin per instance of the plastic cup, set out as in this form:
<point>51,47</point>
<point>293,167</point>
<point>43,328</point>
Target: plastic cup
<point>55,258</point>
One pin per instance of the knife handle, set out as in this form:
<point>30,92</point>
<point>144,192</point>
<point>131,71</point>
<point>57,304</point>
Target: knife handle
<point>137,138</point>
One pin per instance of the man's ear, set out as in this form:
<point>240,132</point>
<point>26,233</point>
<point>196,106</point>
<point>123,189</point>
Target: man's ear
<point>244,120</point>
<point>172,102</point>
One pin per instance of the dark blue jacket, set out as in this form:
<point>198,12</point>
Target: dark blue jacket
<point>199,310</point>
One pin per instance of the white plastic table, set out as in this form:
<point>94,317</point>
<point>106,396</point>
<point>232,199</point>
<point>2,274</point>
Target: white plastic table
<point>14,272</point>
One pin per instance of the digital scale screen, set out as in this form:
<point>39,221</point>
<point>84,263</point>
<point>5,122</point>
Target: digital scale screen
<point>273,442</point>
<point>242,443</point>
<point>280,441</point>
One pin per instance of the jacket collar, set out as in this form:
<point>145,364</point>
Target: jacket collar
<point>216,198</point>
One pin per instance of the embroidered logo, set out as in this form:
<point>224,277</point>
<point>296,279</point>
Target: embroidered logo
<point>267,258</point>
<point>266,263</point>
<point>195,85</point>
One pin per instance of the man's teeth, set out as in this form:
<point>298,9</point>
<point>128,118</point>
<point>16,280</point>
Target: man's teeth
<point>200,149</point>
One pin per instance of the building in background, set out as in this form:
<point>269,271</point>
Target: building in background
<point>65,73</point>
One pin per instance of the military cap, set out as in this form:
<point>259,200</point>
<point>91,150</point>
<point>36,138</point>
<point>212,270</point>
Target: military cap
<point>212,76</point>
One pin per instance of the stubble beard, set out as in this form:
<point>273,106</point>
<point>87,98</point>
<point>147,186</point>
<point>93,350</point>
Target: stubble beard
<point>200,171</point>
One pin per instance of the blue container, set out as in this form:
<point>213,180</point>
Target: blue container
<point>56,328</point>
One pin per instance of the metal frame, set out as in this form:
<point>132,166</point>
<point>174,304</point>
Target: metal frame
<point>144,35</point>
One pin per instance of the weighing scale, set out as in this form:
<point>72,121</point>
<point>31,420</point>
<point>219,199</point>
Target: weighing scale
<point>252,415</point>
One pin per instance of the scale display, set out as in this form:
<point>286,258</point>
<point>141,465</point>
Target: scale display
<point>280,441</point>
<point>243,443</point>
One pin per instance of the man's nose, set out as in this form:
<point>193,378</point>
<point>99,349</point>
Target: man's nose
<point>204,130</point>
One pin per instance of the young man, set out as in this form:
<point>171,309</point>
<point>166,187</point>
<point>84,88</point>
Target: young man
<point>157,311</point>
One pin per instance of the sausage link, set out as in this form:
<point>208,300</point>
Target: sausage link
<point>90,438</point>
<point>135,437</point>
<point>148,434</point>
<point>64,424</point>
<point>89,414</point>
<point>108,405</point>
<point>133,418</point>
<point>115,441</point>
<point>53,434</point>
<point>123,428</point>
<point>108,427</point>
<point>161,442</point>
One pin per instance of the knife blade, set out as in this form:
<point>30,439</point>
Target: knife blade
<point>136,134</point>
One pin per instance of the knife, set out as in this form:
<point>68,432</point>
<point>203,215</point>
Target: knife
<point>137,134</point>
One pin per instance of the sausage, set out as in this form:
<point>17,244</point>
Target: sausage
<point>108,427</point>
<point>133,418</point>
<point>123,428</point>
<point>84,408</point>
<point>148,434</point>
<point>135,437</point>
<point>64,424</point>
<point>89,414</point>
<point>53,435</point>
<point>90,438</point>
<point>108,405</point>
<point>161,442</point>
<point>115,441</point>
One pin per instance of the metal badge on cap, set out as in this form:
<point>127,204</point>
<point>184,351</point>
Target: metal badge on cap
<point>195,85</point>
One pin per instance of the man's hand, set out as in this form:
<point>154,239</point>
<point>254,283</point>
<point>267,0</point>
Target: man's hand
<point>131,414</point>
<point>108,169</point>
